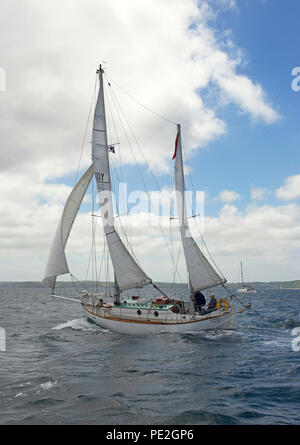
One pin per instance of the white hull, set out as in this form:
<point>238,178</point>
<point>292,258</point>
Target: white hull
<point>247,291</point>
<point>219,320</point>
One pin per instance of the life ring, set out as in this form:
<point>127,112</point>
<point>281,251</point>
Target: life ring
<point>223,304</point>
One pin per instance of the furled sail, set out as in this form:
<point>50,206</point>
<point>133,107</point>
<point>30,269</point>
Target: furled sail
<point>202,275</point>
<point>127,272</point>
<point>57,263</point>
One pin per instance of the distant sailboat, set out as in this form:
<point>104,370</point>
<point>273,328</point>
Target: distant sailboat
<point>245,287</point>
<point>137,315</point>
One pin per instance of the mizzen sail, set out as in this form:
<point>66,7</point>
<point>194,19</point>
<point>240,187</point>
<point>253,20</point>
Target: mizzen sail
<point>127,272</point>
<point>57,262</point>
<point>201,274</point>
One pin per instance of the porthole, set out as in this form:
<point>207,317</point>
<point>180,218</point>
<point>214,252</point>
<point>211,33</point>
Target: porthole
<point>156,314</point>
<point>139,312</point>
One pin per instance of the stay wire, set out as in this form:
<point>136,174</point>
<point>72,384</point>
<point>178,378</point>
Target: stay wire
<point>114,172</point>
<point>86,130</point>
<point>142,105</point>
<point>140,173</point>
<point>201,236</point>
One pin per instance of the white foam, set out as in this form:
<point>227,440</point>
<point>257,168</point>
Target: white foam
<point>278,343</point>
<point>78,324</point>
<point>48,385</point>
<point>20,394</point>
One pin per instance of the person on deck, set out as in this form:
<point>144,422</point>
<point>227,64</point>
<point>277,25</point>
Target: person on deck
<point>199,301</point>
<point>212,305</point>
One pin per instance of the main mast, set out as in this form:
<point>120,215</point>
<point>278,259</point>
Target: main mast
<point>100,72</point>
<point>128,274</point>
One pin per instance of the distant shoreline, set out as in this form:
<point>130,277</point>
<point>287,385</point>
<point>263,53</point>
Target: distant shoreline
<point>285,288</point>
<point>256,285</point>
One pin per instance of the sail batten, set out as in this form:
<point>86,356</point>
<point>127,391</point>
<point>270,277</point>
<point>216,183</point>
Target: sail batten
<point>57,262</point>
<point>128,273</point>
<point>201,274</point>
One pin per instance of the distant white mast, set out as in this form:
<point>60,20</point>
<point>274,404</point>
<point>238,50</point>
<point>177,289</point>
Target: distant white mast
<point>242,276</point>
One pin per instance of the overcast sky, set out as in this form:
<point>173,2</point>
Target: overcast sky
<point>222,68</point>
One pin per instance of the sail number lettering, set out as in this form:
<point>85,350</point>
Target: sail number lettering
<point>99,176</point>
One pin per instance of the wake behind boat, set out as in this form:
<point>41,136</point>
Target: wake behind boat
<point>137,314</point>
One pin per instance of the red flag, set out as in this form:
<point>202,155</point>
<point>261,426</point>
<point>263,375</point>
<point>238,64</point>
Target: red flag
<point>176,143</point>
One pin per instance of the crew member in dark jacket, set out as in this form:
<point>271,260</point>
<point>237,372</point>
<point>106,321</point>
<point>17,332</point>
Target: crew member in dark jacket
<point>199,301</point>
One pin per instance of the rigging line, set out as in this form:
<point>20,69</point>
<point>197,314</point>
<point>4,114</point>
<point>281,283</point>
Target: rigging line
<point>140,173</point>
<point>171,238</point>
<point>74,280</point>
<point>86,130</point>
<point>108,273</point>
<point>142,105</point>
<point>95,241</point>
<point>234,296</point>
<point>176,269</point>
<point>114,172</point>
<point>132,151</point>
<point>175,264</point>
<point>122,227</point>
<point>115,128</point>
<point>202,239</point>
<point>92,244</point>
<point>247,306</point>
<point>136,141</point>
<point>120,180</point>
<point>102,259</point>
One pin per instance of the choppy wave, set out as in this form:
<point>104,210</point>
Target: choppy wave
<point>61,368</point>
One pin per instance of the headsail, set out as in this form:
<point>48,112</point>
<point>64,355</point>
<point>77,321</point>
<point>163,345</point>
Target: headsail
<point>201,274</point>
<point>57,263</point>
<point>127,272</point>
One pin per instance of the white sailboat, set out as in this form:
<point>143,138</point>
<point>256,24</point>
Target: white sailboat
<point>141,315</point>
<point>246,289</point>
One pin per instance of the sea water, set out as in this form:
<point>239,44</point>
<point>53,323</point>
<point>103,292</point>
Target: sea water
<point>60,368</point>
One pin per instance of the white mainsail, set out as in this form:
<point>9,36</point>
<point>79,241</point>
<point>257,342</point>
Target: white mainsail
<point>128,273</point>
<point>57,263</point>
<point>201,274</point>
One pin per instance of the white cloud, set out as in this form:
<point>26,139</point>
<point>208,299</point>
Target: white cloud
<point>258,193</point>
<point>58,45</point>
<point>229,196</point>
<point>290,190</point>
<point>267,238</point>
<point>249,96</point>
<point>164,53</point>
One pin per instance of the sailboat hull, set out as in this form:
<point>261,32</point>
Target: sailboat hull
<point>224,320</point>
<point>247,291</point>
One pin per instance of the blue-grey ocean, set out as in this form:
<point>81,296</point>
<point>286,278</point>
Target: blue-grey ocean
<point>60,368</point>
